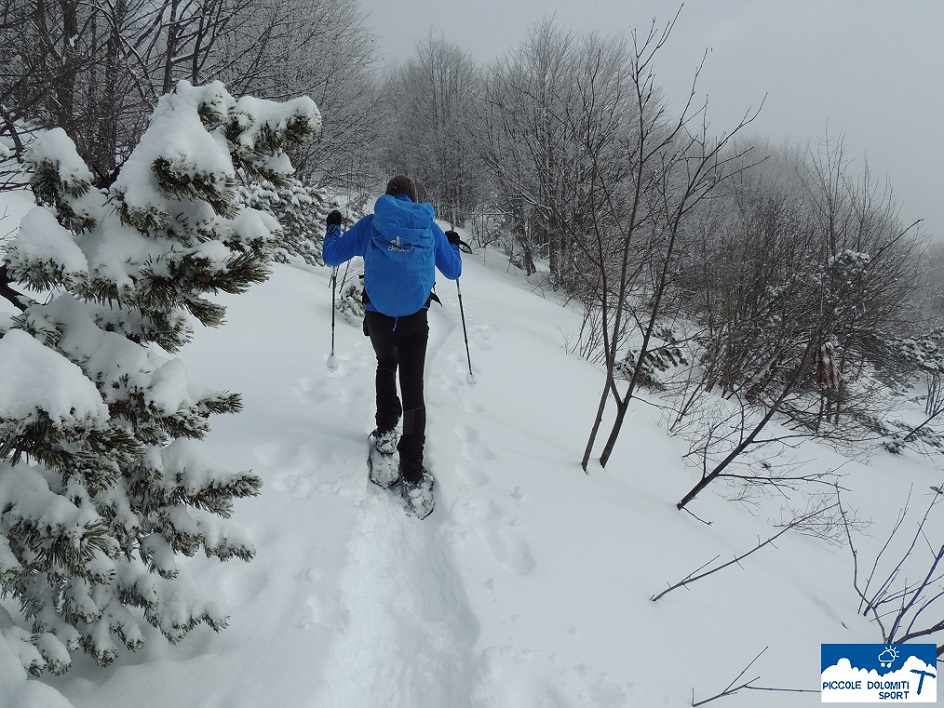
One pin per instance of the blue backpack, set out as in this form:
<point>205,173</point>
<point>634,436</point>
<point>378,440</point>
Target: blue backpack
<point>400,261</point>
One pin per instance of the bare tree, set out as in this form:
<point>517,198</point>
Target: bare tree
<point>102,65</point>
<point>901,589</point>
<point>96,69</point>
<point>528,145</point>
<point>639,220</point>
<point>278,49</point>
<point>801,292</point>
<point>428,133</point>
<point>933,282</point>
<point>870,269</point>
<point>59,62</point>
<point>749,434</point>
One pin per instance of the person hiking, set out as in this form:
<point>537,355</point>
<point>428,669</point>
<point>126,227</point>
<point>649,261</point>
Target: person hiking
<point>402,247</point>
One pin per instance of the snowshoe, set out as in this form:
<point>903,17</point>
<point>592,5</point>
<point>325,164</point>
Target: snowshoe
<point>384,466</point>
<point>385,440</point>
<point>418,499</point>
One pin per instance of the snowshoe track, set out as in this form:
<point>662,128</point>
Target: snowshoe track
<point>410,632</point>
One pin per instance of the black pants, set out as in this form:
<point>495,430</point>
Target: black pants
<point>400,345</point>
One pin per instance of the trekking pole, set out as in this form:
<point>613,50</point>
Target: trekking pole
<point>470,377</point>
<point>332,359</point>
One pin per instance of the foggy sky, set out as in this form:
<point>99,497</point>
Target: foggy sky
<point>871,71</point>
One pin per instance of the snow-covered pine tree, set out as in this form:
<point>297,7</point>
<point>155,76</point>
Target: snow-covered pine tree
<point>100,486</point>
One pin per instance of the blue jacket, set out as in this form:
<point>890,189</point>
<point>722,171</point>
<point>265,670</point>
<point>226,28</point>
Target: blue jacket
<point>401,245</point>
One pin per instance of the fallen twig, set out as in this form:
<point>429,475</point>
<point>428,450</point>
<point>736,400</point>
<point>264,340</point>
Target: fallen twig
<point>731,688</point>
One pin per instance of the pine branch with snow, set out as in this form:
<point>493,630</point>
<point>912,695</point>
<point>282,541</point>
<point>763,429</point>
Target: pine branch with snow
<point>101,487</point>
<point>301,210</point>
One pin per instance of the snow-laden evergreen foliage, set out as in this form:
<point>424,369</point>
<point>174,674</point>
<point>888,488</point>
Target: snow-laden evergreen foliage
<point>301,211</point>
<point>923,353</point>
<point>664,355</point>
<point>100,487</point>
<point>350,299</point>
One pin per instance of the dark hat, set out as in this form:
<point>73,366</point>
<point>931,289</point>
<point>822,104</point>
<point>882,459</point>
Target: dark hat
<point>401,184</point>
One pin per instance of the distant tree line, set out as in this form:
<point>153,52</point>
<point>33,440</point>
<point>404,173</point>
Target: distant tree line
<point>96,69</point>
<point>780,278</point>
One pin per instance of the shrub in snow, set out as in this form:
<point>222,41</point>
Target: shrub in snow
<point>100,487</point>
<point>663,355</point>
<point>350,302</point>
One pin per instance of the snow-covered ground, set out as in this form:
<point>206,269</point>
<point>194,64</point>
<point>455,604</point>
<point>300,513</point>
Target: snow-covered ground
<point>530,584</point>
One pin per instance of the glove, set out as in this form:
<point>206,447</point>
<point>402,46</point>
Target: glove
<point>453,237</point>
<point>334,219</point>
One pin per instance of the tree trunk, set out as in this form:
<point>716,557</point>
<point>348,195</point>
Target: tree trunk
<point>67,82</point>
<point>621,407</point>
<point>607,390</point>
<point>172,29</point>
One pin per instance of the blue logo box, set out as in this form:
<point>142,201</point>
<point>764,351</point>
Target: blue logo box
<point>879,673</point>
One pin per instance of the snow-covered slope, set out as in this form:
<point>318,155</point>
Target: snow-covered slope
<point>529,585</point>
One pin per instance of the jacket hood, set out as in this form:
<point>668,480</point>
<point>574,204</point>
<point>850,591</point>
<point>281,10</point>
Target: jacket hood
<point>399,215</point>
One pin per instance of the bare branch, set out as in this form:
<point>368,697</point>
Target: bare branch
<point>697,575</point>
<point>896,607</point>
<point>734,686</point>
